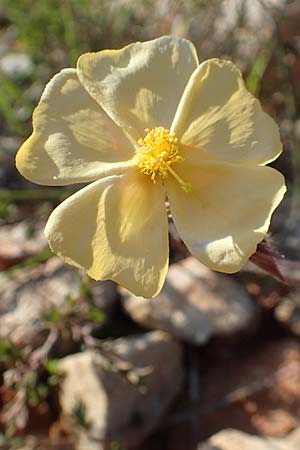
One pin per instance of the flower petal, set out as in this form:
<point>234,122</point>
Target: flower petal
<point>140,85</point>
<point>227,213</point>
<point>222,120</point>
<point>73,140</point>
<point>117,229</point>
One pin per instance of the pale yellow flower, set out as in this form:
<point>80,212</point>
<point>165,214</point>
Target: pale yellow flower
<point>143,124</point>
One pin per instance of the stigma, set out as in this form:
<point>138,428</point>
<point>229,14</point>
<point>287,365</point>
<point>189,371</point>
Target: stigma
<point>158,151</point>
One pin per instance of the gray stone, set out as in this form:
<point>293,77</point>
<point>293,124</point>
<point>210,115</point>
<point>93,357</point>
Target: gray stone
<point>27,297</point>
<point>237,440</point>
<point>194,305</point>
<point>19,241</point>
<point>288,312</point>
<point>16,65</point>
<point>125,390</point>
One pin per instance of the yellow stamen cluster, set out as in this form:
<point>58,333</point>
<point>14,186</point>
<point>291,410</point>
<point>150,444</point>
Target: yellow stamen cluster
<point>159,150</point>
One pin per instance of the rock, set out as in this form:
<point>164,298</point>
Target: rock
<point>241,19</point>
<point>41,441</point>
<point>237,440</point>
<point>85,443</point>
<point>238,19</point>
<point>258,393</point>
<point>20,241</point>
<point>288,312</point>
<point>194,305</point>
<point>294,438</point>
<point>252,15</point>
<point>105,296</point>
<point>17,65</point>
<point>124,391</point>
<point>28,297</point>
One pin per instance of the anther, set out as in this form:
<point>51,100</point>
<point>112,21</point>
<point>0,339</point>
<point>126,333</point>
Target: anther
<point>159,150</point>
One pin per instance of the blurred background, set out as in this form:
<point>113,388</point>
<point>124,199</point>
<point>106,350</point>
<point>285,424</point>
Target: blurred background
<point>88,366</point>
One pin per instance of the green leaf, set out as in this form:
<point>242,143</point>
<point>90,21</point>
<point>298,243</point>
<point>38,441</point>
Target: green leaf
<point>54,315</point>
<point>52,367</point>
<point>95,315</point>
<point>85,290</point>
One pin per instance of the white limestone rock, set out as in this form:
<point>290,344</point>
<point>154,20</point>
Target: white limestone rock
<point>194,305</point>
<point>124,391</point>
<point>237,440</point>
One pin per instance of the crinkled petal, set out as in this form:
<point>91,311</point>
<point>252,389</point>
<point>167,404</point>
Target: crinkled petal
<point>226,213</point>
<point>116,228</point>
<point>219,120</point>
<point>140,85</point>
<point>73,140</point>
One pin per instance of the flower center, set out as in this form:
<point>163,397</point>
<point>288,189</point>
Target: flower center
<point>159,150</point>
